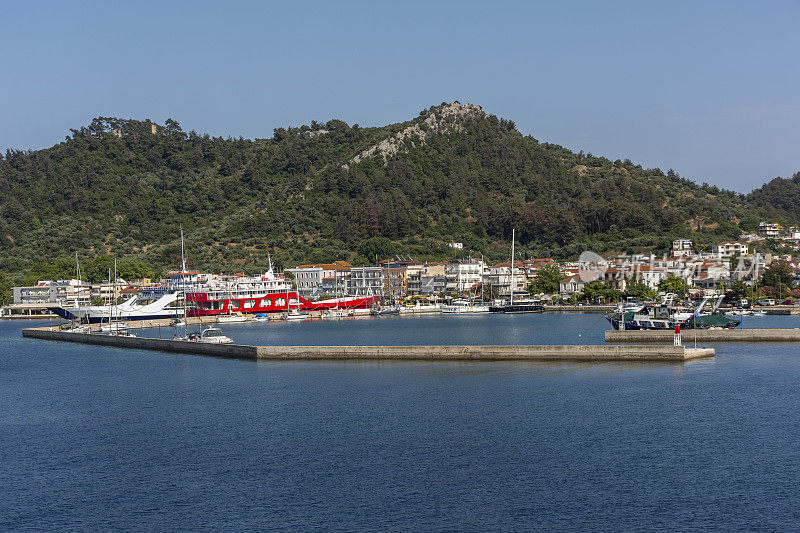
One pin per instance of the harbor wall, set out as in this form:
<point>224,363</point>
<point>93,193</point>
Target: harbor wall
<point>706,335</point>
<point>234,351</point>
<point>664,353</point>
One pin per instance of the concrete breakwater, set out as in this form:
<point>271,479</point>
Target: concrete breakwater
<point>706,335</point>
<point>663,353</point>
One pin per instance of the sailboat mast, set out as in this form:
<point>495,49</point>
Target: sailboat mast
<point>114,288</point>
<point>183,289</point>
<point>513,235</point>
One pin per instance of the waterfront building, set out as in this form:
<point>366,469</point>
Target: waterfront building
<point>336,286</point>
<point>308,278</point>
<point>395,276</point>
<point>430,280</point>
<point>464,275</point>
<point>47,292</point>
<point>570,285</point>
<point>366,281</point>
<point>498,279</point>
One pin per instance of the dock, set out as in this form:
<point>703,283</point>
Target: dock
<point>646,353</point>
<point>705,335</point>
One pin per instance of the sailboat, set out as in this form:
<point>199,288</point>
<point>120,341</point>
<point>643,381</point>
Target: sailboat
<point>293,314</point>
<point>521,307</point>
<point>184,322</point>
<point>115,327</point>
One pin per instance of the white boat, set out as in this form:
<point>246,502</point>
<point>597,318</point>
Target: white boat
<point>460,306</point>
<point>128,310</point>
<point>261,318</point>
<point>419,308</point>
<point>114,327</point>
<point>229,319</point>
<point>337,313</point>
<point>212,335</point>
<point>294,314</point>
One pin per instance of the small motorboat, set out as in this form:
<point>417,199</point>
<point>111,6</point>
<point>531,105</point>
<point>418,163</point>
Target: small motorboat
<point>229,319</point>
<point>212,335</point>
<point>114,327</point>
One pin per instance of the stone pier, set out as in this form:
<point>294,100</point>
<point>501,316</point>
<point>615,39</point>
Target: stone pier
<point>646,353</point>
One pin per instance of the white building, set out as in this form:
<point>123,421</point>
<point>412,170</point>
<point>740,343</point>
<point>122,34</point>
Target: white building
<point>499,278</point>
<point>464,275</point>
<point>366,281</point>
<point>770,231</point>
<point>570,285</point>
<point>728,249</point>
<point>54,292</point>
<point>682,248</point>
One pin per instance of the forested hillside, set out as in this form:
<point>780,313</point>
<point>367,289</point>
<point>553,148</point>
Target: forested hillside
<point>317,192</point>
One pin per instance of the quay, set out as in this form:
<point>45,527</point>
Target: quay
<point>647,353</point>
<point>705,335</point>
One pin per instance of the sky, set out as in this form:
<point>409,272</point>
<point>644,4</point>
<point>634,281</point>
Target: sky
<point>709,89</point>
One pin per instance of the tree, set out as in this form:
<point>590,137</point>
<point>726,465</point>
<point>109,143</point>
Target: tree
<point>376,247</point>
<point>546,280</point>
<point>777,274</point>
<point>675,285</point>
<point>598,291</point>
<point>639,290</point>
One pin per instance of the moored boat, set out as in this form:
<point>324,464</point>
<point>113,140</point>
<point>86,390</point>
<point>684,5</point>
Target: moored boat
<point>212,335</point>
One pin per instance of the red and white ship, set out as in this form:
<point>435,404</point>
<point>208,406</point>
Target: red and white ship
<point>210,294</point>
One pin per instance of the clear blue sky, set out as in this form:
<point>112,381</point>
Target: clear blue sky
<point>711,89</point>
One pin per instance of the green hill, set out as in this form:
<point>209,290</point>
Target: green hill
<point>317,192</point>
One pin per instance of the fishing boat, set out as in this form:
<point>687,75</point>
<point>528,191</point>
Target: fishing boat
<point>666,315</point>
<point>261,317</point>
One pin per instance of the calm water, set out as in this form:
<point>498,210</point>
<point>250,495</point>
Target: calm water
<point>98,438</point>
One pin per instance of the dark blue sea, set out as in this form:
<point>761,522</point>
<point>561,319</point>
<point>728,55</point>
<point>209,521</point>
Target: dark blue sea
<point>101,438</point>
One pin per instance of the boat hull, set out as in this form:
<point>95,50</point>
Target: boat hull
<point>201,305</point>
<point>517,308</point>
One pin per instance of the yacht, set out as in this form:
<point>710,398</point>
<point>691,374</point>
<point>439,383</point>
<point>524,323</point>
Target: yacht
<point>128,310</point>
<point>461,306</point>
